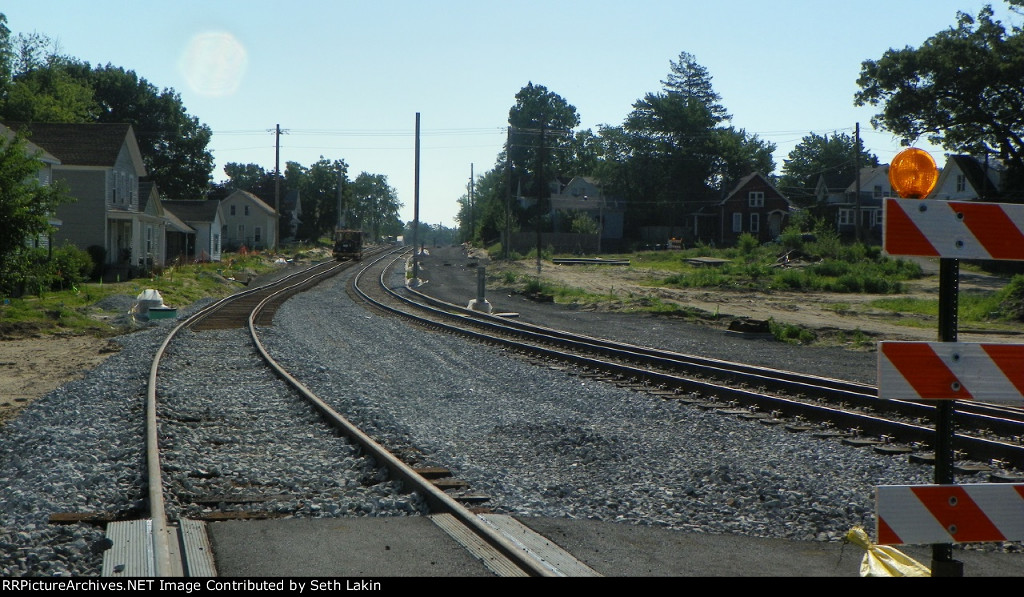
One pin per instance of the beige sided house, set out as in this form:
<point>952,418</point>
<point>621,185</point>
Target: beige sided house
<point>248,222</point>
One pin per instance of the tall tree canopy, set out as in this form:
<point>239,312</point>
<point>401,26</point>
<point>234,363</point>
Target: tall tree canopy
<point>41,85</point>
<point>173,143</point>
<point>540,137</point>
<point>832,157</point>
<point>963,89</point>
<point>675,151</point>
<point>376,205</point>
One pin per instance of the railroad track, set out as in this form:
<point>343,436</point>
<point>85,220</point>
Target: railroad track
<point>169,545</point>
<point>988,435</point>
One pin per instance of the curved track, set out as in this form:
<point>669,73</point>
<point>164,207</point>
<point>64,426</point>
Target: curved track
<point>844,409</point>
<point>168,541</point>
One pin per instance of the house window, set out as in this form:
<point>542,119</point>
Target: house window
<point>755,222</point>
<point>961,183</point>
<point>737,222</point>
<point>241,233</point>
<point>257,235</point>
<point>878,218</point>
<point>149,240</point>
<point>755,199</point>
<point>232,210</point>
<point>878,190</point>
<point>246,210</point>
<point>845,217</point>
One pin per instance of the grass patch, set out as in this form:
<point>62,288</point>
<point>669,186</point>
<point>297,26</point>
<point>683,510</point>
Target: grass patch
<point>75,310</point>
<point>790,333</point>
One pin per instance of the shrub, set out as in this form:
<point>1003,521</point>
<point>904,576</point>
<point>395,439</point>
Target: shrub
<point>69,266</point>
<point>746,243</point>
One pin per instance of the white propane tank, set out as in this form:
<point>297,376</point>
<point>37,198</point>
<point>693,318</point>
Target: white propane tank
<point>147,300</point>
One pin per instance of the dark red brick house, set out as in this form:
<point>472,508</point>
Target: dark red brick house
<point>754,206</point>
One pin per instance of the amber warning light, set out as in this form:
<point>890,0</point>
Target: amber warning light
<point>913,173</point>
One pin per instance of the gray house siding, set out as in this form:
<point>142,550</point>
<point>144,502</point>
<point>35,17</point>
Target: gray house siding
<point>82,223</point>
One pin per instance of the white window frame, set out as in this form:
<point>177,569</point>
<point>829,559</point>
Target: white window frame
<point>737,222</point>
<point>755,199</point>
<point>257,234</point>
<point>845,217</point>
<point>755,222</point>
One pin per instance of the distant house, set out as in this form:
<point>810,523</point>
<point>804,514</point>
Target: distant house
<point>965,178</point>
<point>204,218</point>
<point>754,206</point>
<point>874,187</point>
<point>248,222</point>
<point>101,166</point>
<point>163,234</point>
<point>584,195</point>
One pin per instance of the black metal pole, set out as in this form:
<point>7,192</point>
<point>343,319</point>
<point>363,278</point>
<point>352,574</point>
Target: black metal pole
<point>416,208</point>
<point>943,563</point>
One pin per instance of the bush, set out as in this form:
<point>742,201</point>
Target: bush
<point>1011,299</point>
<point>69,266</point>
<point>746,243</point>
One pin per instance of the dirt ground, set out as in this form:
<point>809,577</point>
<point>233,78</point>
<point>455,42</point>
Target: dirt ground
<point>32,367</point>
<point>826,314</point>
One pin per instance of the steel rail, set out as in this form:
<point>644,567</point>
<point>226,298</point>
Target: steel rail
<point>164,565</point>
<point>995,417</point>
<point>977,448</point>
<point>438,501</point>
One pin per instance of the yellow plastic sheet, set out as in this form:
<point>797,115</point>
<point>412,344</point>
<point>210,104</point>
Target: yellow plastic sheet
<point>884,560</point>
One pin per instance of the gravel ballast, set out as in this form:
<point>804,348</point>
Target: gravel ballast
<point>541,442</point>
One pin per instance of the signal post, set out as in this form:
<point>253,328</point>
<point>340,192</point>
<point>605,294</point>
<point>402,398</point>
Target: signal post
<point>946,513</point>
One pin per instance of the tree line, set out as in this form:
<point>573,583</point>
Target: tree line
<point>40,84</point>
<point>676,151</point>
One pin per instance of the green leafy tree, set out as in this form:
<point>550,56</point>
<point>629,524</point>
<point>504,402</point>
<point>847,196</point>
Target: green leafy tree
<point>485,219</point>
<point>376,204</point>
<point>318,190</point>
<point>675,150</point>
<point>962,89</point>
<point>173,143</point>
<point>832,157</point>
<point>25,206</point>
<point>690,80</point>
<point>40,84</point>
<point>541,136</point>
<point>49,95</point>
<point>246,177</point>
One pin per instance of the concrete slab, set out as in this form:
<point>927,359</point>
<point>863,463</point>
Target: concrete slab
<point>339,547</point>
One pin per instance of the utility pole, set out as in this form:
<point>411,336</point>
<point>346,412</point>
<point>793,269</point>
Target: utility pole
<point>416,208</point>
<point>856,150</point>
<point>340,223</point>
<point>472,211</point>
<point>277,182</point>
<point>541,186</point>
<point>508,193</point>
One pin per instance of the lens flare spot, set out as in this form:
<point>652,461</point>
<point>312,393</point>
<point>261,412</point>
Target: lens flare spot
<point>214,63</point>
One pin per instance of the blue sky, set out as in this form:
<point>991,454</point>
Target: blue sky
<point>345,79</point>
